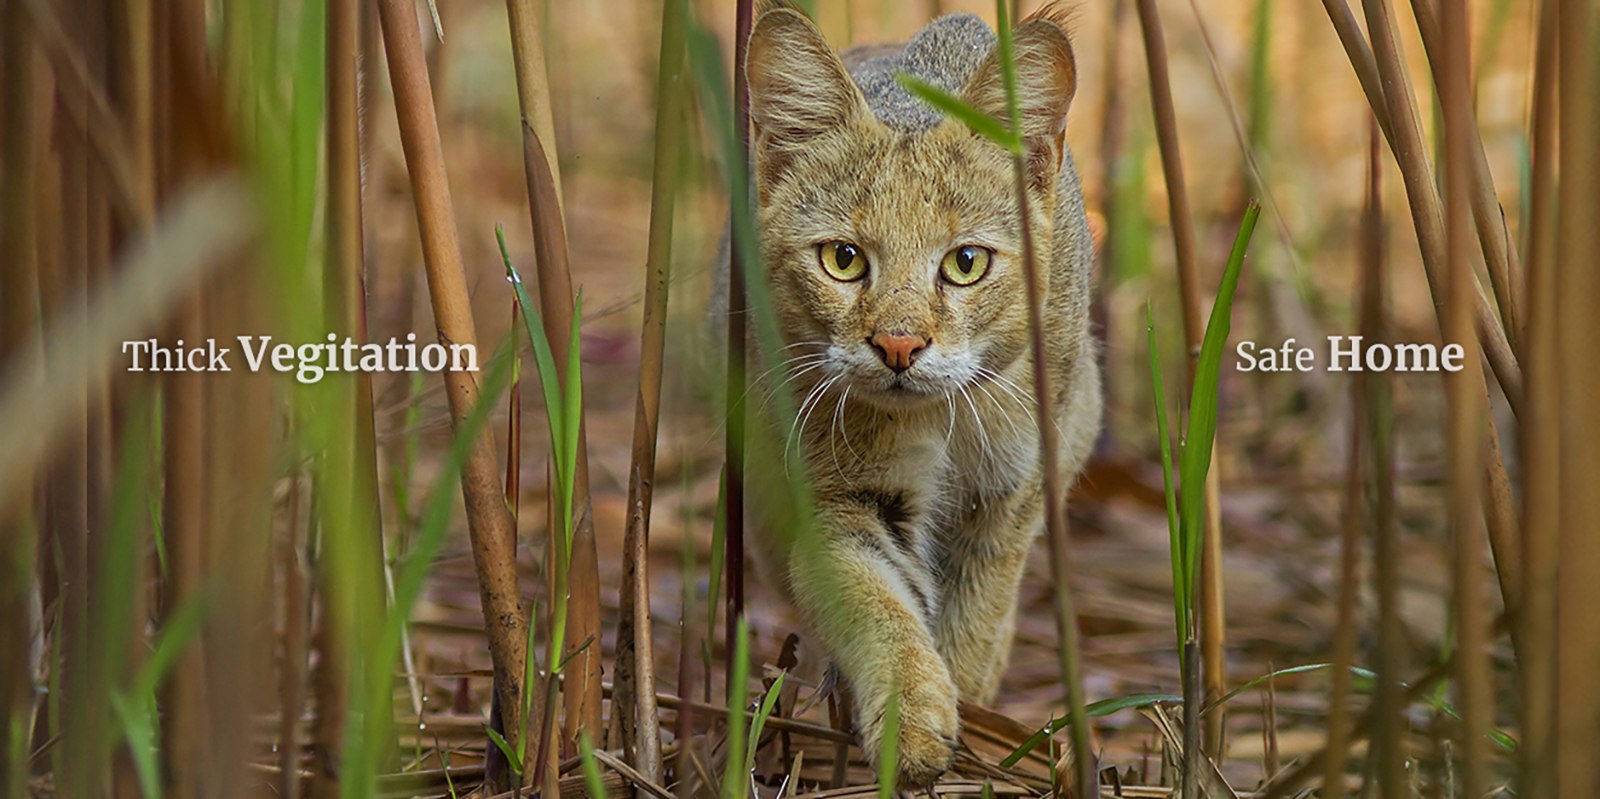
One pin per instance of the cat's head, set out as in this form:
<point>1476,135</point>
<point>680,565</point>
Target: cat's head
<point>895,254</point>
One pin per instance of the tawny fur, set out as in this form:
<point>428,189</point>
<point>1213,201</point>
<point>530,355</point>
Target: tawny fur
<point>926,484</point>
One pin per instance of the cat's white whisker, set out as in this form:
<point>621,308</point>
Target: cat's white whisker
<point>1010,423</point>
<point>790,379</point>
<point>844,429</point>
<point>977,418</point>
<point>813,399</point>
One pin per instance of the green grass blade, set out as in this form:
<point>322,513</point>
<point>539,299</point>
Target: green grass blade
<point>506,749</point>
<point>571,418</point>
<point>981,123</point>
<point>544,359</point>
<point>889,747</point>
<point>1008,68</point>
<point>1302,669</point>
<point>591,768</point>
<point>719,534</point>
<point>734,781</point>
<point>1182,593</point>
<point>1200,436</point>
<point>767,704</point>
<point>1104,707</point>
<point>138,729</point>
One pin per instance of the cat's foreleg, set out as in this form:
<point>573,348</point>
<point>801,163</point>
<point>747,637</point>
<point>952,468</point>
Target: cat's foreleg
<point>866,600</point>
<point>980,577</point>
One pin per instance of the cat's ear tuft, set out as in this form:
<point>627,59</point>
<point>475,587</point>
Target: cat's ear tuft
<point>799,89</point>
<point>1047,79</point>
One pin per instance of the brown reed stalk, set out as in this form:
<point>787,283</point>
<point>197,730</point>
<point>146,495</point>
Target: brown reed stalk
<point>1541,432</point>
<point>1386,715</point>
<point>1405,140</point>
<point>1113,130</point>
<point>1354,519</point>
<point>1499,256</point>
<point>581,677</point>
<point>635,653</point>
<point>67,487</point>
<point>1466,406</point>
<point>184,704</point>
<point>738,308</point>
<point>1361,58</point>
<point>1411,153</point>
<point>1055,508</point>
<point>488,521</point>
<point>19,290</point>
<point>88,115</point>
<point>1213,624</point>
<point>1578,325</point>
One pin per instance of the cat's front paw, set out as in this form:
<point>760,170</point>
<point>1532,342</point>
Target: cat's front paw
<point>929,723</point>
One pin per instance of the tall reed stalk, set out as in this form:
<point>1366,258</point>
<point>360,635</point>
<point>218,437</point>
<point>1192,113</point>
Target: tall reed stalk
<point>1577,308</point>
<point>582,686</point>
<point>1213,624</point>
<point>1541,431</point>
<point>740,203</point>
<point>1467,408</point>
<point>489,522</point>
<point>18,287</point>
<point>635,651</point>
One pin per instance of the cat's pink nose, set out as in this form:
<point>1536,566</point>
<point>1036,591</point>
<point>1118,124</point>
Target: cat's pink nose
<point>898,350</point>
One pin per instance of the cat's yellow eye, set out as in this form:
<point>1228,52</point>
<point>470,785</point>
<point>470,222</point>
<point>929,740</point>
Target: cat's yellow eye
<point>842,260</point>
<point>965,265</point>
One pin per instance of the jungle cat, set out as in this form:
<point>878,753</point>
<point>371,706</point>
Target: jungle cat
<point>893,247</point>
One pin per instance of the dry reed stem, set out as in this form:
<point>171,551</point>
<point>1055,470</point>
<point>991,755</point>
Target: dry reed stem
<point>1411,153</point>
<point>18,288</point>
<point>533,94</point>
<point>1055,509</point>
<point>1541,432</point>
<point>1385,714</point>
<point>67,487</point>
<point>1498,254</point>
<point>1466,408</point>
<point>183,705</point>
<point>1213,624</point>
<point>488,521</point>
<point>1578,322</point>
<point>1354,518</point>
<point>90,113</point>
<point>581,687</point>
<point>738,307</point>
<point>1361,58</point>
<point>1427,213</point>
<point>635,652</point>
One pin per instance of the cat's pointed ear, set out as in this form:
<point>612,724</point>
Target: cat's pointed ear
<point>799,89</point>
<point>1047,78</point>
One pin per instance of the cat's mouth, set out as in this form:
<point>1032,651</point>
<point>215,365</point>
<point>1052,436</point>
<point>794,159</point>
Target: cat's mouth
<point>902,390</point>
